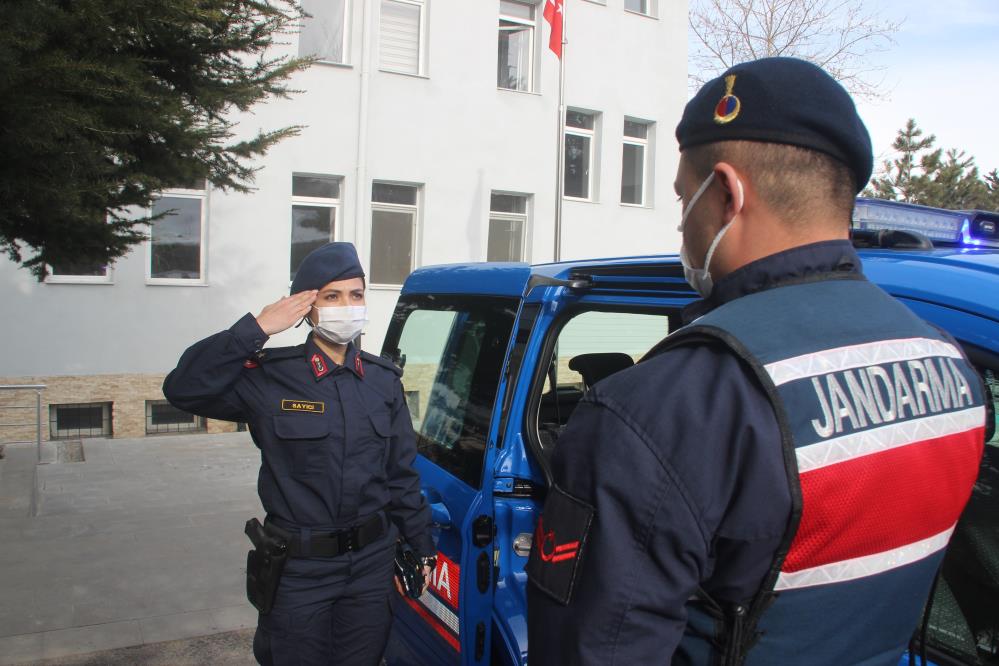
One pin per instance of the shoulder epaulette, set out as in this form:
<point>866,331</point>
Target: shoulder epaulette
<point>382,361</point>
<point>269,354</point>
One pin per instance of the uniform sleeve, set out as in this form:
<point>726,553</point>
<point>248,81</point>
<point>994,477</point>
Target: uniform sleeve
<point>408,510</point>
<point>643,556</point>
<point>205,378</point>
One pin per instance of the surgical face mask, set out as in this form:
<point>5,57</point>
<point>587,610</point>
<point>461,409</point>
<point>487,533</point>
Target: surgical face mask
<point>342,324</point>
<point>700,278</point>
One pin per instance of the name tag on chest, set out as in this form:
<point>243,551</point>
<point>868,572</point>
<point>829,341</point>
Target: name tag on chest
<point>303,406</point>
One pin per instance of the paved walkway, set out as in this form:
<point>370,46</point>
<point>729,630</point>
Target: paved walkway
<point>141,543</point>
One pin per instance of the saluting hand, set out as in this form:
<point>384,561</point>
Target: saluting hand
<point>285,313</point>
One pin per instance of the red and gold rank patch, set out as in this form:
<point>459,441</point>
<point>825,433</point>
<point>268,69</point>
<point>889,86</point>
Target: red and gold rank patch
<point>319,367</point>
<point>303,406</point>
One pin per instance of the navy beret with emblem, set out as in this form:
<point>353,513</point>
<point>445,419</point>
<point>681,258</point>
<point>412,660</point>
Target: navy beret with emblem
<point>331,262</point>
<point>780,100</point>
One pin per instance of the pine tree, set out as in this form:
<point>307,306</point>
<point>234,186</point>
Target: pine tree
<point>903,179</point>
<point>107,102</point>
<point>924,175</point>
<point>954,183</point>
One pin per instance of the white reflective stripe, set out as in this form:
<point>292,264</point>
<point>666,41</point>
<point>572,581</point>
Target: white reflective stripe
<point>885,437</point>
<point>857,356</point>
<point>860,567</point>
<point>443,613</point>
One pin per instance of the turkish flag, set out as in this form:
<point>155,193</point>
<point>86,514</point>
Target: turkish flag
<point>553,14</point>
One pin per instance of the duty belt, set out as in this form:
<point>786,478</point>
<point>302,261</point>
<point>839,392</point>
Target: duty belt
<point>330,544</point>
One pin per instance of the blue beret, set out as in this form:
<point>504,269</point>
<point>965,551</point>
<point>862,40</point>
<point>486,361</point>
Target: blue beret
<point>780,100</point>
<point>333,261</point>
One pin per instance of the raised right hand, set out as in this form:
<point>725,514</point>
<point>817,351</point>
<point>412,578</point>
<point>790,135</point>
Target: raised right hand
<point>285,313</point>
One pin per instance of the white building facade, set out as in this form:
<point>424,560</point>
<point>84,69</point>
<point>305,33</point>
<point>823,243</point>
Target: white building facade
<point>429,136</point>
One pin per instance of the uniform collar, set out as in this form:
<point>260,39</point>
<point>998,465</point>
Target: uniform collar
<point>322,366</point>
<point>834,256</point>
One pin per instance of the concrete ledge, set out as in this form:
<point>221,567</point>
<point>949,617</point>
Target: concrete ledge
<point>229,649</point>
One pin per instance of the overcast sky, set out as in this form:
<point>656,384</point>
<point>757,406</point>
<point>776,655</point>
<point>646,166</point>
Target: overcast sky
<point>944,72</point>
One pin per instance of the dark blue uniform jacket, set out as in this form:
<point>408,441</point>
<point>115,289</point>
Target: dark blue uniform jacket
<point>682,457</point>
<point>336,442</point>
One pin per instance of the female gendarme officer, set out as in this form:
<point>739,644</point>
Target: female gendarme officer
<point>337,448</point>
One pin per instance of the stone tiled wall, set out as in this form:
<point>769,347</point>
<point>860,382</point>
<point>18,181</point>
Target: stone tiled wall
<point>126,393</point>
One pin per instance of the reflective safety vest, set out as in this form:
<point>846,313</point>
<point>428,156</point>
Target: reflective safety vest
<point>882,422</point>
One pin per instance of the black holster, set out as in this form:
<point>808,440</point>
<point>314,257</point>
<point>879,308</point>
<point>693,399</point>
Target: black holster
<point>264,564</point>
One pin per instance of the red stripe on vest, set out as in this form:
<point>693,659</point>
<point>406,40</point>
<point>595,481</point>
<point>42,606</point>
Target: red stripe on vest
<point>885,500</point>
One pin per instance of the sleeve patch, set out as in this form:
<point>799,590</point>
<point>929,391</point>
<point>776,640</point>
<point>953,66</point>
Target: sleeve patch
<point>557,548</point>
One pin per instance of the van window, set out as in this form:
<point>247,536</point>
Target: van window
<point>591,346</point>
<point>452,353</point>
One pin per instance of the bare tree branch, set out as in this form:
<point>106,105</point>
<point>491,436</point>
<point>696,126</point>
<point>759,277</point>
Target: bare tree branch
<point>838,35</point>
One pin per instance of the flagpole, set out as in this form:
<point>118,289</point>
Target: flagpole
<point>560,144</point>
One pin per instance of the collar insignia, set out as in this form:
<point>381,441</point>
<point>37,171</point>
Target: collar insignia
<point>358,366</point>
<point>319,368</point>
<point>729,105</point>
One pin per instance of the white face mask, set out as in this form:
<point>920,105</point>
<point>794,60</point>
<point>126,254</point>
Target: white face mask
<point>700,278</point>
<point>341,324</point>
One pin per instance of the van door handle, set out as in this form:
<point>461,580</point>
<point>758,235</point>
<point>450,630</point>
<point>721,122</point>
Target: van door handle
<point>439,514</point>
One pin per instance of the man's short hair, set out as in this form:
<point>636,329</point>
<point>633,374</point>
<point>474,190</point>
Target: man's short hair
<point>800,186</point>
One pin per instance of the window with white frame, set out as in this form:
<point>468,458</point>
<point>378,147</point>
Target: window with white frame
<point>75,271</point>
<point>647,7</point>
<point>580,139</point>
<point>315,206</point>
<point>507,227</point>
<point>177,239</point>
<point>401,36</point>
<point>515,68</point>
<point>324,30</point>
<point>635,160</point>
<point>394,224</point>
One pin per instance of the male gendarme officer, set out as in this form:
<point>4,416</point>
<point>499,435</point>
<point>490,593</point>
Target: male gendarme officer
<point>336,477</point>
<point>777,481</point>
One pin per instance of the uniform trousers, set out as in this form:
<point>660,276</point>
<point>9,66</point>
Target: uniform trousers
<point>331,610</point>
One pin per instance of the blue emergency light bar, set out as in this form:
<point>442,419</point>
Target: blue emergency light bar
<point>971,228</point>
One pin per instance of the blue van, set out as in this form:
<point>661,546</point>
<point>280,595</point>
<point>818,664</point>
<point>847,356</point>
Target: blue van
<point>496,356</point>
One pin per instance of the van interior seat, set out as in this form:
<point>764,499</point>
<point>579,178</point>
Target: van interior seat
<point>597,366</point>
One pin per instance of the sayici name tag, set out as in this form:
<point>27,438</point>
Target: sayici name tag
<point>559,539</point>
<point>303,406</point>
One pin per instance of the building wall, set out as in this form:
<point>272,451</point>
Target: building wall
<point>450,130</point>
<point>127,393</point>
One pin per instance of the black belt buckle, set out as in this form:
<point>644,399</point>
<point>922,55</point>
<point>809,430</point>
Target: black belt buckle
<point>348,540</point>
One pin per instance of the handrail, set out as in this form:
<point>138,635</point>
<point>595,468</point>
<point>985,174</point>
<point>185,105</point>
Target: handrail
<point>37,388</point>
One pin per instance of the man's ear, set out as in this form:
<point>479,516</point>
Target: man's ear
<point>731,181</point>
